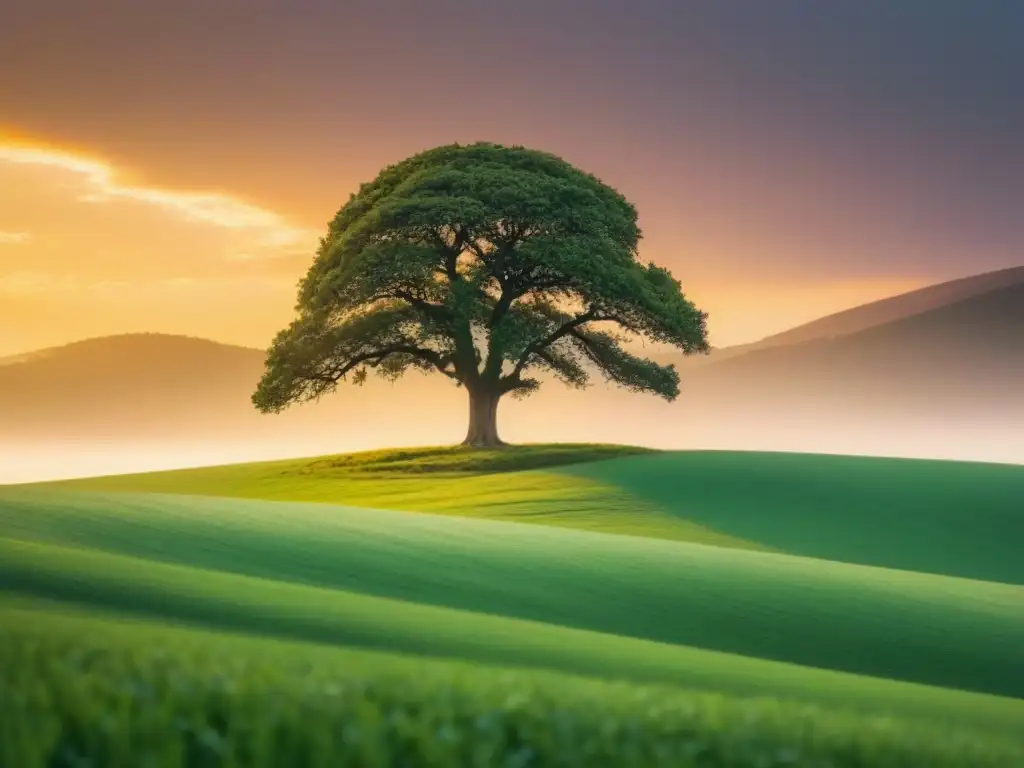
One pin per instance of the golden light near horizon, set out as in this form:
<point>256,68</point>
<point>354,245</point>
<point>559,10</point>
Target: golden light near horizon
<point>89,248</point>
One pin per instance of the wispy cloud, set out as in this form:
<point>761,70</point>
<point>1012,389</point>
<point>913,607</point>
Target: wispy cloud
<point>267,228</point>
<point>14,238</point>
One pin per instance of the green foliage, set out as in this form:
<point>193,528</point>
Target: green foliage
<point>538,596</point>
<point>481,262</point>
<point>90,690</point>
<point>953,518</point>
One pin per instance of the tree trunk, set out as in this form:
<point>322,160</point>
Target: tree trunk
<point>483,420</point>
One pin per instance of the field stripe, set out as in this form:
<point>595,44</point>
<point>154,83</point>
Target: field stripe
<point>258,606</point>
<point>911,626</point>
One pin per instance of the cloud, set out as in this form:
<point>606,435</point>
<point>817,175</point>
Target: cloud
<point>14,238</point>
<point>267,228</point>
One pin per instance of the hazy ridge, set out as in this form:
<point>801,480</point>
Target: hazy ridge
<point>936,372</point>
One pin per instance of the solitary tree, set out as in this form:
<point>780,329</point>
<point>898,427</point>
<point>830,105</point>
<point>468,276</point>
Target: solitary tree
<point>488,265</point>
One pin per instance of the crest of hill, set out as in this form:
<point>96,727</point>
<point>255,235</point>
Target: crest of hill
<point>459,459</point>
<point>968,354</point>
<point>128,384</point>
<point>127,354</point>
<point>880,313</point>
<point>898,307</point>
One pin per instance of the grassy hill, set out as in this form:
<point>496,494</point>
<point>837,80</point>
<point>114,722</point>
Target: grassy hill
<point>125,692</point>
<point>140,551</point>
<point>951,518</point>
<point>758,652</point>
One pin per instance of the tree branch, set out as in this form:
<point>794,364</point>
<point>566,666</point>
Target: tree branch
<point>377,356</point>
<point>435,312</point>
<point>517,286</point>
<point>551,338</point>
<point>504,303</point>
<point>618,365</point>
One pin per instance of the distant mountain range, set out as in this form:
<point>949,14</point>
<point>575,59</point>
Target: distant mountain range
<point>157,393</point>
<point>930,363</point>
<point>952,360</point>
<point>877,313</point>
<point>139,384</point>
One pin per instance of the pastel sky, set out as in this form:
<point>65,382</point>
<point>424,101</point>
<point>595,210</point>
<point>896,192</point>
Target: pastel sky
<point>169,165</point>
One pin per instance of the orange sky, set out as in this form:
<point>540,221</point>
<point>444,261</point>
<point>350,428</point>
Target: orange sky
<point>169,166</point>
<point>88,248</point>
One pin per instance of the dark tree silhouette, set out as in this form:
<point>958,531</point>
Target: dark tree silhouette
<point>486,264</point>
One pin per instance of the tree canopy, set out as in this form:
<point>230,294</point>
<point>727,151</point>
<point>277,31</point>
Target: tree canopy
<point>492,266</point>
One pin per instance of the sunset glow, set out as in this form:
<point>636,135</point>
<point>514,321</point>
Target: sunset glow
<point>81,237</point>
<point>183,187</point>
<point>269,229</point>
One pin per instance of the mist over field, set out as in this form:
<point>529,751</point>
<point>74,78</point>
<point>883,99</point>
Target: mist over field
<point>600,415</point>
<point>933,374</point>
<point>943,383</point>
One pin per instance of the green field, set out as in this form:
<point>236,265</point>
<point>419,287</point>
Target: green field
<point>102,690</point>
<point>952,518</point>
<point>813,596</point>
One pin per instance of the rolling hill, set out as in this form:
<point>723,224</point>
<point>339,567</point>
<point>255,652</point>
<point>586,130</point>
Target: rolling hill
<point>959,362</point>
<point>142,401</point>
<point>882,312</point>
<point>955,519</point>
<point>135,384</point>
<point>946,383</point>
<point>567,580</point>
<point>431,586</point>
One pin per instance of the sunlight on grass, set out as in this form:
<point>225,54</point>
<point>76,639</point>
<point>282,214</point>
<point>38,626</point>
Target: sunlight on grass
<point>106,691</point>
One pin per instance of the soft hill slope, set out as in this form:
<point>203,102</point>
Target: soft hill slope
<point>960,362</point>
<point>955,518</point>
<point>942,384</point>
<point>950,518</point>
<point>437,585</point>
<point>878,313</point>
<point>189,628</point>
<point>130,385</point>
<point>152,389</point>
<point>896,308</point>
